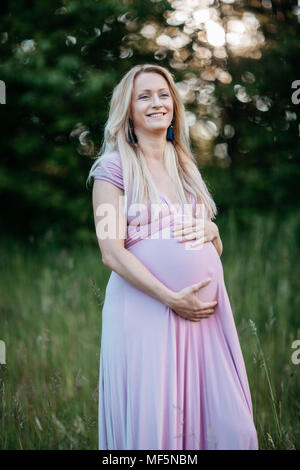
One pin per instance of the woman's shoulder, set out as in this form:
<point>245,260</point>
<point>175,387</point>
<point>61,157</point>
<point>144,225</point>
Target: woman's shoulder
<point>109,168</point>
<point>111,158</point>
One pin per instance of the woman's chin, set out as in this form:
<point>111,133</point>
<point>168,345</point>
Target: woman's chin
<point>157,125</point>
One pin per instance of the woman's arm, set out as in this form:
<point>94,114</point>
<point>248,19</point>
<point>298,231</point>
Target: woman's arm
<point>218,244</point>
<point>134,271</point>
<point>217,239</point>
<point>114,255</point>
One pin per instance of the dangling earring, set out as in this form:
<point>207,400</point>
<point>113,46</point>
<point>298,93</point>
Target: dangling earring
<point>132,137</point>
<point>170,133</point>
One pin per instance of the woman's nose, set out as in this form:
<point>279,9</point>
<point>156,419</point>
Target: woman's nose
<point>156,100</point>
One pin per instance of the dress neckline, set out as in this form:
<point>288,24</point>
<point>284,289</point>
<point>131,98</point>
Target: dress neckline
<point>165,197</point>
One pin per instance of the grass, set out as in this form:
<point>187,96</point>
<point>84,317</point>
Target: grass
<point>50,319</point>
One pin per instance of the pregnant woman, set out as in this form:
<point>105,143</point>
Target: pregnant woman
<point>172,374</point>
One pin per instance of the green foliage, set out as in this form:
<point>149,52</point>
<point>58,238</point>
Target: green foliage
<point>60,62</point>
<point>265,153</point>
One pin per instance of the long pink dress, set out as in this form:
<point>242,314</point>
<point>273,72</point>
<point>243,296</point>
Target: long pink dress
<point>165,382</point>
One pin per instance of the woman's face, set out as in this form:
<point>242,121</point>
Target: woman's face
<point>151,95</point>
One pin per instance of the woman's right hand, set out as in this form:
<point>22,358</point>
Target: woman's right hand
<point>187,304</point>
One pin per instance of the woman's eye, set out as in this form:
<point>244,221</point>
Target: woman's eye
<point>146,96</point>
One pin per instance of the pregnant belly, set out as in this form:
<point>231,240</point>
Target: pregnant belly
<point>178,266</point>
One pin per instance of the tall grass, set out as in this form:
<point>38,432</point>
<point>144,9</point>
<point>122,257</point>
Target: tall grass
<point>50,319</point>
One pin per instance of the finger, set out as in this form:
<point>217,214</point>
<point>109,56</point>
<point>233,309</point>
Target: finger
<point>194,226</point>
<point>199,241</point>
<point>190,236</point>
<point>181,224</point>
<point>187,230</point>
<point>182,230</point>
<point>200,318</point>
<point>200,284</point>
<point>204,282</point>
<point>190,318</point>
<point>187,223</point>
<point>206,311</point>
<point>194,319</point>
<point>209,304</point>
<point>206,315</point>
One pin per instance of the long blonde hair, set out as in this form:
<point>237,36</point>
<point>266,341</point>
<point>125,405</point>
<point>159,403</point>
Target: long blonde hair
<point>179,160</point>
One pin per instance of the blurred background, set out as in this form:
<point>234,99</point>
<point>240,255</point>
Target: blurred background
<point>236,65</point>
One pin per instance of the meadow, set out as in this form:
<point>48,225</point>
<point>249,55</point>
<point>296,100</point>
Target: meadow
<point>51,297</point>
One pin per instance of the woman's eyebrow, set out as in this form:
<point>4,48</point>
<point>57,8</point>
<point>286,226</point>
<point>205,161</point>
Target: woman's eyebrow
<point>147,89</point>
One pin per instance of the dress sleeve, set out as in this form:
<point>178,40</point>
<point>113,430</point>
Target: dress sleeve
<point>110,169</point>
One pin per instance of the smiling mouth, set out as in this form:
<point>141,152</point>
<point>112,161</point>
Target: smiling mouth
<point>156,115</point>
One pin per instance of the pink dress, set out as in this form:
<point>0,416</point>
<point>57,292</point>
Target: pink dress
<point>165,382</point>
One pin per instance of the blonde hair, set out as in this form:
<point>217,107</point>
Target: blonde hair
<point>179,160</point>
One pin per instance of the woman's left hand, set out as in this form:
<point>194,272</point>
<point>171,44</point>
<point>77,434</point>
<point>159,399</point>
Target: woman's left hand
<point>200,230</point>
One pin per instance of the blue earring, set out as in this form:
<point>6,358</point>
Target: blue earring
<point>170,133</point>
<point>132,137</point>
